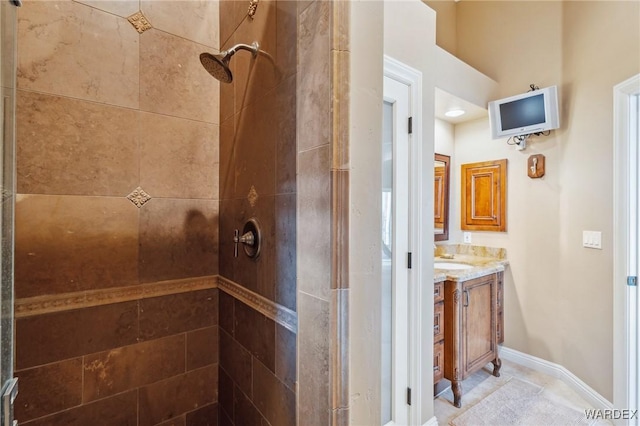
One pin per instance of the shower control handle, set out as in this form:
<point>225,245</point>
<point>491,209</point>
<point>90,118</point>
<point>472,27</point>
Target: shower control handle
<point>248,238</point>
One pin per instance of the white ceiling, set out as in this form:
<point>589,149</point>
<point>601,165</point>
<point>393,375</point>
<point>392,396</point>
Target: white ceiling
<point>446,101</point>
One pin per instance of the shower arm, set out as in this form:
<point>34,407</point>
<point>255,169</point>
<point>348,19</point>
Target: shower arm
<point>253,48</point>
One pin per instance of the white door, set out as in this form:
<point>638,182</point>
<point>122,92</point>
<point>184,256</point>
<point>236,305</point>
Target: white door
<point>627,248</point>
<point>395,253</point>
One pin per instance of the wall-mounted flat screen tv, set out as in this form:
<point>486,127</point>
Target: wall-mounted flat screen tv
<point>531,112</point>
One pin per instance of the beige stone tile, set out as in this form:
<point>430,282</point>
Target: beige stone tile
<point>69,243</point>
<point>172,79</point>
<point>124,8</point>
<point>195,20</point>
<point>314,216</point>
<point>314,73</point>
<point>71,49</point>
<point>73,147</point>
<point>179,157</point>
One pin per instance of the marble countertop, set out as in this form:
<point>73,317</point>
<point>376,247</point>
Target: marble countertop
<point>477,258</point>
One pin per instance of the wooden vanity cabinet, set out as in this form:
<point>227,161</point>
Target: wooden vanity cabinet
<point>438,332</point>
<point>471,332</point>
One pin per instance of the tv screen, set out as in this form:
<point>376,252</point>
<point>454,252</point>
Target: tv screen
<point>527,113</point>
<point>521,113</point>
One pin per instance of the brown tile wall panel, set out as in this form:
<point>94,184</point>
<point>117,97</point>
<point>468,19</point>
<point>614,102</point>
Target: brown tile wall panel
<point>224,419</point>
<point>244,412</point>
<point>73,147</point>
<point>38,385</point>
<point>185,88</point>
<point>118,410</point>
<point>117,370</point>
<point>225,394</point>
<point>285,251</point>
<point>177,421</point>
<point>232,12</point>
<point>276,401</point>
<point>178,239</point>
<point>205,416</point>
<point>178,313</point>
<point>178,157</point>
<point>66,244</point>
<point>285,116</point>
<point>287,38</point>
<point>202,347</point>
<point>236,362</point>
<point>286,351</point>
<point>256,333</point>
<point>70,334</point>
<point>169,398</point>
<point>226,312</point>
<point>79,52</point>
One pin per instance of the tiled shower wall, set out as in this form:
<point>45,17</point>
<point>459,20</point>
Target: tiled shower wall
<point>258,179</point>
<point>117,214</point>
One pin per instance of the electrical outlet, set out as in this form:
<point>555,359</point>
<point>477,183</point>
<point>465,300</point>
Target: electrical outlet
<point>592,239</point>
<point>466,237</point>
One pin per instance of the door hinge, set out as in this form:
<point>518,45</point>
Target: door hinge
<point>632,281</point>
<point>409,260</point>
<point>408,396</point>
<point>410,125</point>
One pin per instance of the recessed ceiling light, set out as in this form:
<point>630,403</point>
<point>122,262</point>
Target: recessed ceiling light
<point>454,113</point>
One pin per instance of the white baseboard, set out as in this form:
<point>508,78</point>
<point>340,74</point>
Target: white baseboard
<point>431,422</point>
<point>559,372</point>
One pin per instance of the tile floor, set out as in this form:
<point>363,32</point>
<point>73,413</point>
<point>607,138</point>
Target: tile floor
<point>482,384</point>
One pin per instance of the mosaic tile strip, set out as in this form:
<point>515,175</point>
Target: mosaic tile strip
<point>139,197</point>
<point>139,22</point>
<point>253,6</point>
<point>283,316</point>
<point>40,305</point>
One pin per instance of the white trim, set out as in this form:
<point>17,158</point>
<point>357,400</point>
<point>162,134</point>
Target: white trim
<point>559,372</point>
<point>624,329</point>
<point>431,422</point>
<point>403,73</point>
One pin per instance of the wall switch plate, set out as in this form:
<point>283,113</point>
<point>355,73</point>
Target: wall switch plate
<point>466,237</point>
<point>592,239</point>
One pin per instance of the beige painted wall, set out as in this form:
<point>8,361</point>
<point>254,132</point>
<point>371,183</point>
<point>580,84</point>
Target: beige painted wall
<point>558,295</point>
<point>446,25</point>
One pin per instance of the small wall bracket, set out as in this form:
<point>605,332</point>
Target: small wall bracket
<point>535,166</point>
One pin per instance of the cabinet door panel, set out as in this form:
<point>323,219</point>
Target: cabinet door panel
<point>478,311</point>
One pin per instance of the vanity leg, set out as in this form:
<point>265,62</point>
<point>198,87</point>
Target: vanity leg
<point>497,363</point>
<point>456,387</point>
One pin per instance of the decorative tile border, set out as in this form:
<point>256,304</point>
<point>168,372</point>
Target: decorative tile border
<point>40,305</point>
<point>283,316</point>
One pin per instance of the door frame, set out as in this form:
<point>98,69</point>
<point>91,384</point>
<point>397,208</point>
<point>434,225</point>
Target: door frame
<point>626,166</point>
<point>412,78</point>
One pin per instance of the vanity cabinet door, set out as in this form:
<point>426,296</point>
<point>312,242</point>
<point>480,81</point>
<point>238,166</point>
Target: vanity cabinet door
<point>479,319</point>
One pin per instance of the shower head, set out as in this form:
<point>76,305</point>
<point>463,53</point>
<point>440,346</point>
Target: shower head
<point>218,65</point>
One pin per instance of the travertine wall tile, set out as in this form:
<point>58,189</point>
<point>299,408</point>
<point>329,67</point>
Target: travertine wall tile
<point>121,409</point>
<point>71,334</point>
<point>117,370</point>
<point>162,400</point>
<point>123,8</point>
<point>63,379</point>
<point>203,347</point>
<point>314,76</point>
<point>178,239</point>
<point>65,244</point>
<point>314,212</point>
<point>73,147</point>
<point>70,49</point>
<point>172,79</point>
<point>195,20</point>
<point>178,157</point>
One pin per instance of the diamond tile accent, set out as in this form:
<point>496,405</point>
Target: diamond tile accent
<point>139,22</point>
<point>138,197</point>
<point>252,196</point>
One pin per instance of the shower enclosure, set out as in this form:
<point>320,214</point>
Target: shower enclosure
<point>7,142</point>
